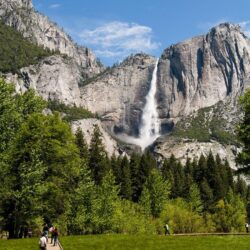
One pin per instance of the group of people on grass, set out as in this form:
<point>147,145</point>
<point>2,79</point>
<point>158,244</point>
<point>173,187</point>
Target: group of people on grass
<point>45,236</point>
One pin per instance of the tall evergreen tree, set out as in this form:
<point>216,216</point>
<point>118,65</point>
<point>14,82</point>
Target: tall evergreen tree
<point>126,188</point>
<point>97,156</point>
<point>82,145</point>
<point>206,194</point>
<point>243,157</point>
<point>147,163</point>
<point>200,170</point>
<point>134,164</point>
<point>115,164</point>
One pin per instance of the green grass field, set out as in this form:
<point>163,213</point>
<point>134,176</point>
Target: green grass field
<point>109,242</point>
<point>22,244</point>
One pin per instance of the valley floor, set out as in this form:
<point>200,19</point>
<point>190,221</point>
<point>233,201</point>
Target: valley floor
<point>137,242</point>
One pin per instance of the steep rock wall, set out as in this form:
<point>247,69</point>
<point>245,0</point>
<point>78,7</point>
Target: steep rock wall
<point>118,96</point>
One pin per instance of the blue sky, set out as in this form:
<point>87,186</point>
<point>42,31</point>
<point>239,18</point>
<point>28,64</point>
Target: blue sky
<point>113,29</point>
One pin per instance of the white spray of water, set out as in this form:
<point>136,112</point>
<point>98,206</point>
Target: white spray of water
<point>150,125</point>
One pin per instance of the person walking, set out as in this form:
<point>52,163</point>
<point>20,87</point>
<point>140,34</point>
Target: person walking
<point>43,242</point>
<point>247,227</point>
<point>55,236</point>
<point>167,229</point>
<point>52,229</point>
<point>46,231</point>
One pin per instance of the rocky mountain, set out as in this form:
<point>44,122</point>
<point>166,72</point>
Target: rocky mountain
<point>118,95</point>
<point>198,84</point>
<point>204,72</point>
<point>60,75</point>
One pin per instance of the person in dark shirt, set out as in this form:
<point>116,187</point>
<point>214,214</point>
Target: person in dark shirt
<point>55,234</point>
<point>46,231</point>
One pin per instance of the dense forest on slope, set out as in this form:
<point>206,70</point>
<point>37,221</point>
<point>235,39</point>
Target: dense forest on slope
<point>70,112</point>
<point>48,174</point>
<point>206,125</point>
<point>17,52</point>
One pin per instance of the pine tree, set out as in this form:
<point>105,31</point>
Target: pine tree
<point>241,188</point>
<point>229,175</point>
<point>82,145</point>
<point>178,188</point>
<point>214,178</point>
<point>147,163</point>
<point>115,164</point>
<point>167,169</point>
<point>200,171</point>
<point>97,156</point>
<point>206,194</point>
<point>189,167</point>
<point>126,189</point>
<point>243,157</point>
<point>135,180</point>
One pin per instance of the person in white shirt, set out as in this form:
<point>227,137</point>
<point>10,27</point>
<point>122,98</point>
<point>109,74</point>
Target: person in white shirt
<point>166,229</point>
<point>247,227</point>
<point>42,242</point>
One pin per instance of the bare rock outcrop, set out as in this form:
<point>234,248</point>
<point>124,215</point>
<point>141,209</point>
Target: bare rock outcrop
<point>183,149</point>
<point>87,126</point>
<point>54,77</point>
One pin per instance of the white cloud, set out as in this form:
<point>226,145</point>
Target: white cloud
<point>116,39</point>
<point>55,6</point>
<point>245,26</point>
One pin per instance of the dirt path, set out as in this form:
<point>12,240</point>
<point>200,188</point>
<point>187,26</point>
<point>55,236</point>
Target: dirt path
<point>51,247</point>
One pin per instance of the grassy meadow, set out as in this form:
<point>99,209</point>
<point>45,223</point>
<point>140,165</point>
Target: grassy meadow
<point>137,242</point>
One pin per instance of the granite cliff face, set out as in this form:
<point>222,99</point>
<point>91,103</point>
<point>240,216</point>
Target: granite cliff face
<point>118,95</point>
<point>206,71</point>
<point>58,76</point>
<point>54,77</point>
<point>203,71</point>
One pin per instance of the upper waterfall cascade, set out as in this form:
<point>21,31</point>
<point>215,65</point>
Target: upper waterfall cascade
<point>150,125</point>
<point>149,129</point>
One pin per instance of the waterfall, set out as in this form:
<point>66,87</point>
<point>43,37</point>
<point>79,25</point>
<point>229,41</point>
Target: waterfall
<point>150,125</point>
<point>149,130</point>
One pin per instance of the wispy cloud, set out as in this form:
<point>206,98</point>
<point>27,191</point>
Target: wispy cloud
<point>118,39</point>
<point>55,6</point>
<point>245,26</point>
<point>208,25</point>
